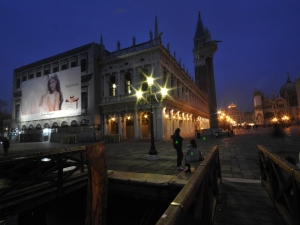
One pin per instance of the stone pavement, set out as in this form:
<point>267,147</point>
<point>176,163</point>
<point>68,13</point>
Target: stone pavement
<point>238,153</point>
<point>241,191</point>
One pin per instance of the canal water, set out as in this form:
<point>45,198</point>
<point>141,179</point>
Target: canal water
<point>71,209</point>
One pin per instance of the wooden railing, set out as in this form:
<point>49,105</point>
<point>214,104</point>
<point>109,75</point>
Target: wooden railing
<point>202,191</point>
<point>282,182</point>
<point>33,179</point>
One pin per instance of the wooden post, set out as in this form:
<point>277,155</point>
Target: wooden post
<point>97,185</point>
<point>60,179</point>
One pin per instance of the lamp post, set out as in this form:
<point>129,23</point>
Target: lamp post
<point>152,97</point>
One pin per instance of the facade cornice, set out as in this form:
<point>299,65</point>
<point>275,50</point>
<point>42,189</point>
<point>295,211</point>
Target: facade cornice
<point>63,55</point>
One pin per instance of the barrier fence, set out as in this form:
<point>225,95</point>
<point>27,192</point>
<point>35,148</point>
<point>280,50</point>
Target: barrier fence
<point>197,200</point>
<point>281,179</point>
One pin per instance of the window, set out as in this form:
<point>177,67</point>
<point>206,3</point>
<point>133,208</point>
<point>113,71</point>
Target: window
<point>64,124</point>
<point>38,74</point>
<point>73,64</point>
<point>73,123</point>
<point>165,77</point>
<point>84,100</point>
<point>18,83</point>
<point>46,69</point>
<point>143,78</point>
<point>17,112</point>
<point>113,86</point>
<point>83,65</point>
<point>55,69</point>
<point>127,83</point>
<point>31,76</point>
<point>24,78</point>
<point>64,67</point>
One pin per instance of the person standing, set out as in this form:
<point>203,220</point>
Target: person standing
<point>177,144</point>
<point>5,146</point>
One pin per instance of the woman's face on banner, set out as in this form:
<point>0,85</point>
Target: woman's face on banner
<point>52,84</point>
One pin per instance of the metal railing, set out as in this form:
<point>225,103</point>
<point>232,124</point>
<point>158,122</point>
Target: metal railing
<point>281,179</point>
<point>201,191</point>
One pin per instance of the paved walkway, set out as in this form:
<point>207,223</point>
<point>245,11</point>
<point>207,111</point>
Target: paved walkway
<point>239,167</point>
<point>238,153</point>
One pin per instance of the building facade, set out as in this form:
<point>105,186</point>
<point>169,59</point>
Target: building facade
<point>88,93</point>
<point>76,73</point>
<point>125,71</point>
<point>283,109</point>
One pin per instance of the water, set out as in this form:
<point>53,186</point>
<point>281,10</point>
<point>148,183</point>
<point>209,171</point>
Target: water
<point>70,209</point>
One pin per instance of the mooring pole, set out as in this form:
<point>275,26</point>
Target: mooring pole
<point>96,203</point>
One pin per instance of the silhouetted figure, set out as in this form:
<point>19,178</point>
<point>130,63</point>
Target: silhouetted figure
<point>277,132</point>
<point>5,146</point>
<point>177,144</point>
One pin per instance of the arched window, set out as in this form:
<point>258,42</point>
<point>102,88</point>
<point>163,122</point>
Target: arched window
<point>23,127</point>
<point>38,126</point>
<point>30,127</point>
<point>64,124</point>
<point>46,125</point>
<point>73,123</point>
<point>143,78</point>
<point>113,86</point>
<point>54,125</point>
<point>127,83</point>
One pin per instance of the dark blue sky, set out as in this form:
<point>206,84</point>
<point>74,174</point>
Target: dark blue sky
<point>260,38</point>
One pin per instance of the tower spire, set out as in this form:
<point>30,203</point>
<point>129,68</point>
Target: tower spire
<point>101,40</point>
<point>200,31</point>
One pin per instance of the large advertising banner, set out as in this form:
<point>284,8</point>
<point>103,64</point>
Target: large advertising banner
<point>51,96</point>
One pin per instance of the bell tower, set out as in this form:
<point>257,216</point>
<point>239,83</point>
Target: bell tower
<point>204,49</point>
<point>201,36</point>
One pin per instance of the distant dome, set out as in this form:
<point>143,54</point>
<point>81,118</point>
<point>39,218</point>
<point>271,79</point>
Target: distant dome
<point>288,91</point>
<point>289,88</point>
<point>232,106</point>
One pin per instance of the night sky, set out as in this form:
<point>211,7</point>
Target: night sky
<point>260,38</point>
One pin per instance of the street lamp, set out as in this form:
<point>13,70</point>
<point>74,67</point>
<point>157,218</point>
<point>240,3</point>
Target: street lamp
<point>150,99</point>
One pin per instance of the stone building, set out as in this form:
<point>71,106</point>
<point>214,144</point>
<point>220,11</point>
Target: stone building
<point>88,93</point>
<point>125,71</point>
<point>235,114</point>
<point>78,113</point>
<point>283,109</point>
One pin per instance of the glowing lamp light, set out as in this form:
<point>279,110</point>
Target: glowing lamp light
<point>164,91</point>
<point>150,81</point>
<point>139,94</point>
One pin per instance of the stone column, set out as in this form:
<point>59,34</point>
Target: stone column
<point>136,119</point>
<point>120,125</point>
<point>208,50</point>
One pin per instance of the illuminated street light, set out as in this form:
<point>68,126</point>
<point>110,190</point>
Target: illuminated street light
<point>152,96</point>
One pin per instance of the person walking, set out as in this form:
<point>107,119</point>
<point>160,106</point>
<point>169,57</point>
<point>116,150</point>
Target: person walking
<point>5,146</point>
<point>177,144</point>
